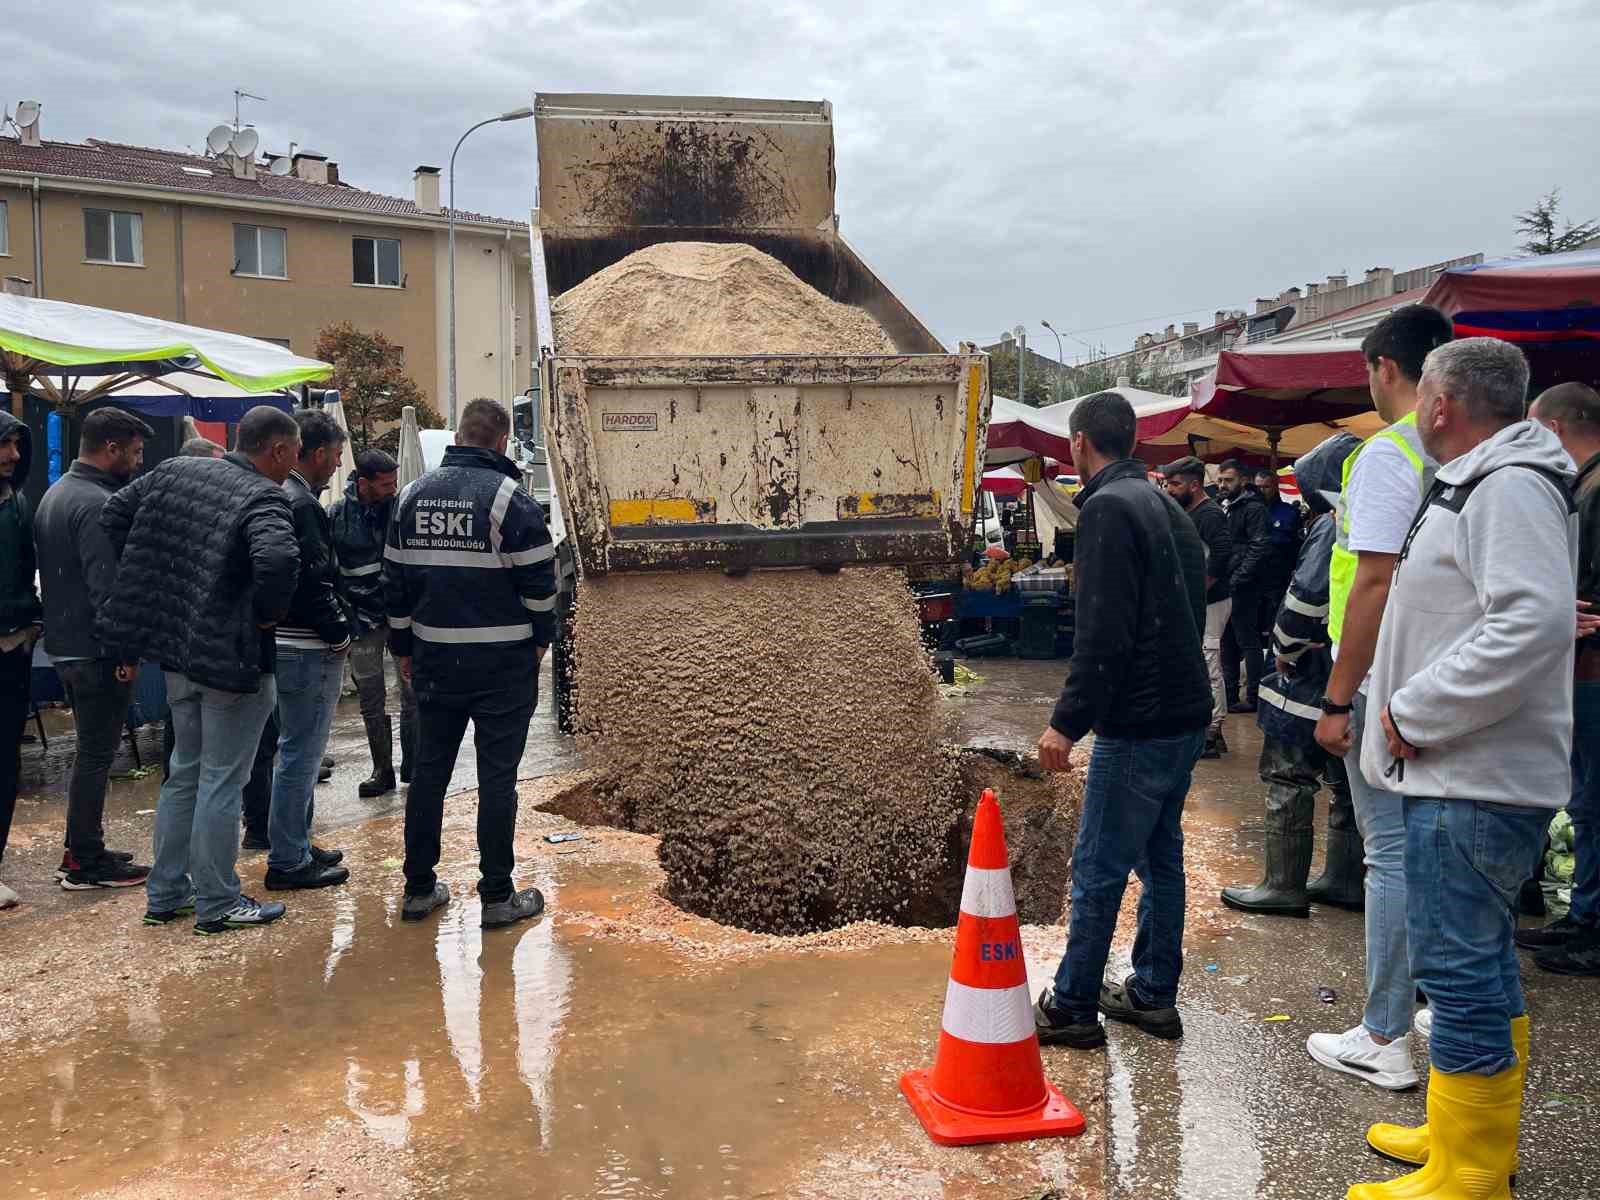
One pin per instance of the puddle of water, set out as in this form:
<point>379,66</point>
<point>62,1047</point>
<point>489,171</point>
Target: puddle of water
<point>534,1061</point>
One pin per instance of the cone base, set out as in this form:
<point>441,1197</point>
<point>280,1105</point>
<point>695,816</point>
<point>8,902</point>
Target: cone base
<point>1055,1118</point>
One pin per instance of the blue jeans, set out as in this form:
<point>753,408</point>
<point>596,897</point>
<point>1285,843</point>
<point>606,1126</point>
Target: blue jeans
<point>1132,821</point>
<point>308,691</point>
<point>1466,860</point>
<point>1380,815</point>
<point>1584,807</point>
<point>197,817</point>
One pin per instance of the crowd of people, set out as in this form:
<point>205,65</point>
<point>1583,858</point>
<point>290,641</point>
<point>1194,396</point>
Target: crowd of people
<point>1433,661</point>
<point>227,571</point>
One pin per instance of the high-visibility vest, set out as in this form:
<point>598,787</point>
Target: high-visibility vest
<point>1342,566</point>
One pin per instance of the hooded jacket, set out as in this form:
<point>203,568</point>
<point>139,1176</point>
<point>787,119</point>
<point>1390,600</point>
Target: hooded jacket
<point>358,534</point>
<point>1290,700</point>
<point>1138,577</point>
<point>1474,657</point>
<point>1251,528</point>
<point>77,563</point>
<point>19,595</point>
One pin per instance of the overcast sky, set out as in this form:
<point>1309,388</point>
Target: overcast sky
<point>1109,168</point>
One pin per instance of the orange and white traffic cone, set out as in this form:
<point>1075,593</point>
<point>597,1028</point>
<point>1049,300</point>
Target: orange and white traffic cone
<point>987,1083</point>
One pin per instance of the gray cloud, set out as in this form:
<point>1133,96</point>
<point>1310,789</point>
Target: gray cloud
<point>998,162</point>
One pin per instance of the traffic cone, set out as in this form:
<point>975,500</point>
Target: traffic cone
<point>987,1083</point>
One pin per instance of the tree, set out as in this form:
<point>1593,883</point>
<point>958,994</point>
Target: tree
<point>1003,377</point>
<point>372,382</point>
<point>1538,227</point>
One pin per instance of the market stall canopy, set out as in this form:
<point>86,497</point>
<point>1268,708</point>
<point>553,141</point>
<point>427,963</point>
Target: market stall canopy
<point>410,456</point>
<point>44,338</point>
<point>1549,305</point>
<point>1019,431</point>
<point>1277,386</point>
<point>192,394</point>
<point>1211,438</point>
<point>1010,481</point>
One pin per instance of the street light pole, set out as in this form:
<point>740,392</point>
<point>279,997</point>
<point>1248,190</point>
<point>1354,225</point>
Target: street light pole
<point>1021,334</point>
<point>516,114</point>
<point>1061,359</point>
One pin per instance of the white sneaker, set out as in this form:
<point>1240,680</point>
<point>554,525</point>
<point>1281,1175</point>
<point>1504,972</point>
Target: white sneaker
<point>8,898</point>
<point>1355,1053</point>
<point>1423,1022</point>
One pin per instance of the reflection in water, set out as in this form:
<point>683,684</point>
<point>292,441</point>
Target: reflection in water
<point>1221,1166</point>
<point>458,947</point>
<point>1121,1115</point>
<point>344,933</point>
<point>615,1179</point>
<point>391,1126</point>
<point>541,972</point>
<point>144,1019</point>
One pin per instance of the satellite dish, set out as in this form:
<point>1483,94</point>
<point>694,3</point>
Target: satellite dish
<point>244,143</point>
<point>217,140</point>
<point>281,166</point>
<point>27,113</point>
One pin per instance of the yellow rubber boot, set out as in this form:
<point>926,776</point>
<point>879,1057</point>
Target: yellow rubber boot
<point>1409,1143</point>
<point>1473,1123</point>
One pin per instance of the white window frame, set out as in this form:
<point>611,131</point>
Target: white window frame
<point>258,229</point>
<point>400,266</point>
<point>5,230</point>
<point>137,238</point>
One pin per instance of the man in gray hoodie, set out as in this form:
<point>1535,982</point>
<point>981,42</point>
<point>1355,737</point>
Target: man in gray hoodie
<point>1471,721</point>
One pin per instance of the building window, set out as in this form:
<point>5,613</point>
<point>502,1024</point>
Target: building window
<point>260,250</point>
<point>377,261</point>
<point>113,237</point>
<point>5,230</point>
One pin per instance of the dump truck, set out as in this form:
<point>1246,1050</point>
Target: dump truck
<point>738,462</point>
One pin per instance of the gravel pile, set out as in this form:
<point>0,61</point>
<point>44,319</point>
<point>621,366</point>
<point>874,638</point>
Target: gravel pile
<point>779,732</point>
<point>707,298</point>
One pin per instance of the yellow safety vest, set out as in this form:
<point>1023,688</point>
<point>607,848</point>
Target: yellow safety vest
<point>1342,566</point>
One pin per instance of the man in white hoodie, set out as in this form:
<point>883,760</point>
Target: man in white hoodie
<point>1471,721</point>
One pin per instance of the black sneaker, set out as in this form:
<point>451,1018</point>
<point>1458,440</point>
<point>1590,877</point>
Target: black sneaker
<point>1119,1002</point>
<point>312,875</point>
<point>416,907</point>
<point>328,858</point>
<point>519,906</point>
<point>1053,1030</point>
<point>107,873</point>
<point>324,774</point>
<point>68,863</point>
<point>328,762</point>
<point>246,914</point>
<point>1579,957</point>
<point>168,916</point>
<point>255,841</point>
<point>1552,936</point>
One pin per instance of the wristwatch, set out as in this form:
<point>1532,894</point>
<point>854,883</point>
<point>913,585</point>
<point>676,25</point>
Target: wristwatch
<point>1334,709</point>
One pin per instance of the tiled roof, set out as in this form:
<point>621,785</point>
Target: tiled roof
<point>175,170</point>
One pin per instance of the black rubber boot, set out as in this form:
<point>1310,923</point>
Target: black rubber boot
<point>1283,892</point>
<point>1342,883</point>
<point>408,746</point>
<point>380,741</point>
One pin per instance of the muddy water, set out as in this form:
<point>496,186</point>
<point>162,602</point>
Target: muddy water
<point>540,1061</point>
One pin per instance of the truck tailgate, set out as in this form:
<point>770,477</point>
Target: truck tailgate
<point>749,462</point>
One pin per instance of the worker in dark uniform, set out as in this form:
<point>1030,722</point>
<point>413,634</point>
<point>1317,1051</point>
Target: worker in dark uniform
<point>470,589</point>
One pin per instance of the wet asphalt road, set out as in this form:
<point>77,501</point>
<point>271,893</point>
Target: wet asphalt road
<point>1238,1108</point>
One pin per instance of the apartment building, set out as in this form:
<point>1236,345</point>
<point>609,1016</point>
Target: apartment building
<point>275,247</point>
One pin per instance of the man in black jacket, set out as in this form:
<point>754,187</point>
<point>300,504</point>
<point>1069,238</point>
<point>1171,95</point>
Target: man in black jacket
<point>1247,583</point>
<point>1138,679</point>
<point>19,616</point>
<point>470,586</point>
<point>206,566</point>
<point>312,641</point>
<point>360,524</point>
<point>77,567</point>
<point>1186,484</point>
